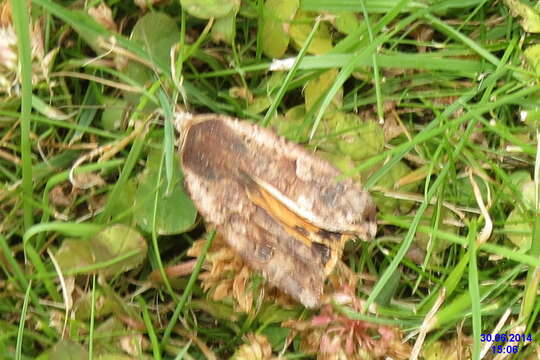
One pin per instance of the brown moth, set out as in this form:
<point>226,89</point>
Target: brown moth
<point>279,206</point>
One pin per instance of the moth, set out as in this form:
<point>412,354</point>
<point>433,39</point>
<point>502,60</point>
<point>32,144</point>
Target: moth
<point>278,205</point>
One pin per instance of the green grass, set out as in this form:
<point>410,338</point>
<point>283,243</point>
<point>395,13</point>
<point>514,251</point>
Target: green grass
<point>420,101</point>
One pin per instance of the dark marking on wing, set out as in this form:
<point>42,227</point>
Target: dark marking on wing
<point>212,150</point>
<point>301,231</point>
<point>329,235</point>
<point>198,161</point>
<point>322,250</point>
<point>243,178</point>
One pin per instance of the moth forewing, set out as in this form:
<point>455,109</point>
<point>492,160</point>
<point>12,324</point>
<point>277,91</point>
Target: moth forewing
<point>278,205</point>
<point>183,121</point>
<point>292,205</point>
<point>300,228</point>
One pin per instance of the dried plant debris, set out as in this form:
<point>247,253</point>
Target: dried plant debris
<point>334,336</point>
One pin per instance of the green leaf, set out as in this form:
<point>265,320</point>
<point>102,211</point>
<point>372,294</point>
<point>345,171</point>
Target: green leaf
<point>157,33</point>
<point>389,204</point>
<point>530,18</point>
<point>133,338</point>
<point>124,202</point>
<point>83,306</point>
<point>277,15</point>
<point>529,198</point>
<point>359,139</point>
<point>518,179</point>
<point>174,211</point>
<point>107,345</point>
<point>74,254</point>
<point>115,241</point>
<point>532,55</point>
<point>317,87</point>
<point>531,117</point>
<point>206,9</point>
<point>65,350</point>
<point>107,245</point>
<point>518,229</point>
<point>433,244</point>
<point>291,125</point>
<point>386,295</point>
<point>346,22</point>
<point>301,27</point>
<point>224,29</point>
<point>259,104</point>
<point>112,115</point>
<point>276,335</point>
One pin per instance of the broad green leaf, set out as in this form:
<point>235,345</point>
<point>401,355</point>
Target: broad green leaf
<point>107,344</point>
<point>83,306</point>
<point>113,114</point>
<point>294,127</point>
<point>346,22</point>
<point>532,55</point>
<point>174,211</point>
<point>529,17</point>
<point>528,191</point>
<point>259,104</point>
<point>115,241</point>
<point>74,254</point>
<point>65,350</point>
<point>224,29</point>
<point>206,9</point>
<point>120,356</point>
<point>268,87</point>
<point>291,124</point>
<point>423,239</point>
<point>344,163</point>
<point>319,86</point>
<point>272,83</point>
<point>277,15</point>
<point>389,204</point>
<point>276,334</point>
<point>358,139</point>
<point>123,206</point>
<point>531,117</point>
<point>393,284</point>
<point>110,243</point>
<point>518,229</point>
<point>520,177</point>
<point>157,33</point>
<point>300,28</point>
<point>385,6</point>
<point>463,192</point>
